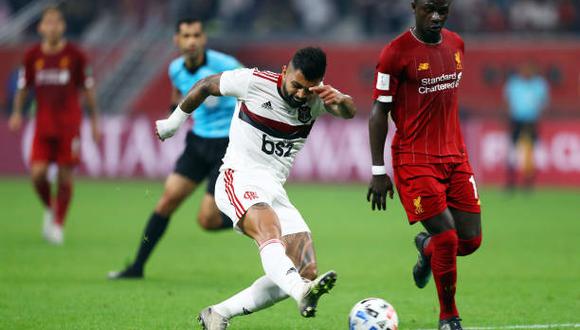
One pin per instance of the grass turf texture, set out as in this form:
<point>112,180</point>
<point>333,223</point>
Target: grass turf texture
<point>527,271</point>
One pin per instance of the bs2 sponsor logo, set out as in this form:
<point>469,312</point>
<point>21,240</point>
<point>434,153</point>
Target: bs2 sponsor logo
<point>280,148</point>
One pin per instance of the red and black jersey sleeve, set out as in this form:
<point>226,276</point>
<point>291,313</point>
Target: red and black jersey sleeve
<point>82,74</point>
<point>387,75</point>
<point>27,71</point>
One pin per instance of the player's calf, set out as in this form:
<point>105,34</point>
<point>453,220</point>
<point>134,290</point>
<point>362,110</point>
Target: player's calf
<point>443,249</point>
<point>309,271</point>
<point>300,249</point>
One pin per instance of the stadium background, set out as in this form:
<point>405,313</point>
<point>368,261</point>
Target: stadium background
<point>129,43</point>
<point>130,46</point>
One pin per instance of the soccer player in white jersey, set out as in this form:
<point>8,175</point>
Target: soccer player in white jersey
<point>273,116</point>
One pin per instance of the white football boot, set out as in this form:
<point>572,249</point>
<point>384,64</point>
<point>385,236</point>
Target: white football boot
<point>56,235</point>
<point>47,222</point>
<point>209,319</point>
<point>321,285</point>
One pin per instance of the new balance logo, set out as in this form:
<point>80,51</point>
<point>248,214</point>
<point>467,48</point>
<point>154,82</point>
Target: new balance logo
<point>423,67</point>
<point>267,105</point>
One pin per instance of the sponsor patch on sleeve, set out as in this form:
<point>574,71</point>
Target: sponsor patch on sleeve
<point>21,79</point>
<point>383,81</point>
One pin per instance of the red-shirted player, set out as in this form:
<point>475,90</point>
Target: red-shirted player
<point>417,81</point>
<point>55,70</point>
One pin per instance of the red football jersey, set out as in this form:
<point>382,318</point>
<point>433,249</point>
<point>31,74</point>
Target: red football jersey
<point>422,80</point>
<point>56,80</point>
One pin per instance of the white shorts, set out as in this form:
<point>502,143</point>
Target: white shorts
<point>237,191</point>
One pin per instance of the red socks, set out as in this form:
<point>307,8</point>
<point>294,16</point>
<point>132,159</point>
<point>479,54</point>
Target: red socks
<point>43,190</point>
<point>442,249</point>
<point>63,198</point>
<point>468,246</point>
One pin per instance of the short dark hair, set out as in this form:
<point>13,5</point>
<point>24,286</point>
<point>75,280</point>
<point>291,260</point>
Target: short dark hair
<point>187,20</point>
<point>311,61</point>
<point>52,9</point>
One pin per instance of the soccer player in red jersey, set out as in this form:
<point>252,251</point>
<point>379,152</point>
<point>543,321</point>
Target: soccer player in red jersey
<point>55,70</point>
<point>417,80</point>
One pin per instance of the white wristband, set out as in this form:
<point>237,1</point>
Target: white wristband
<point>178,116</point>
<point>379,170</point>
<point>166,128</point>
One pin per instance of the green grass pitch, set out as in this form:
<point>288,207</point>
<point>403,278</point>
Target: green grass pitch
<point>527,271</point>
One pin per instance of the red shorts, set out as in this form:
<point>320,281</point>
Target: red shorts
<point>426,190</point>
<point>64,150</point>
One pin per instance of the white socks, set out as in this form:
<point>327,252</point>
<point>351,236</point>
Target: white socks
<point>261,294</point>
<point>280,269</point>
<point>281,280</point>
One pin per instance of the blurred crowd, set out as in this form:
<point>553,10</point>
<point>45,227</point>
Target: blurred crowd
<point>516,15</point>
<point>357,17</point>
<point>377,17</point>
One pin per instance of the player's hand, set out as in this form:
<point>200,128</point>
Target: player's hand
<point>380,186</point>
<point>15,122</point>
<point>164,129</point>
<point>328,94</point>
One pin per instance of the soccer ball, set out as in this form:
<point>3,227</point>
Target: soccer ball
<point>373,314</point>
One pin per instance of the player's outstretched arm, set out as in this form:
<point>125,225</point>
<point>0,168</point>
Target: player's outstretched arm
<point>175,98</point>
<point>15,121</point>
<point>205,87</point>
<point>91,99</point>
<point>381,184</point>
<point>336,103</point>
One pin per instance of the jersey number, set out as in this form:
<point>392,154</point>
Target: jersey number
<point>472,180</point>
<point>280,148</point>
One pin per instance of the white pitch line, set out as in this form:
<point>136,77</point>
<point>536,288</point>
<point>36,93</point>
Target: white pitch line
<point>530,326</point>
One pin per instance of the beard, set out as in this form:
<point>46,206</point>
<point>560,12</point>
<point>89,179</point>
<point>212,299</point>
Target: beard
<point>294,103</point>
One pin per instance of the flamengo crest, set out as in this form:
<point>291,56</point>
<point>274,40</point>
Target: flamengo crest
<point>304,115</point>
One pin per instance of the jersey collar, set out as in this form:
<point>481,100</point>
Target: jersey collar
<point>426,43</point>
<point>194,70</point>
<point>279,87</point>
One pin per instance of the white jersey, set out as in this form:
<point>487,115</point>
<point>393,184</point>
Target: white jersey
<point>266,133</point>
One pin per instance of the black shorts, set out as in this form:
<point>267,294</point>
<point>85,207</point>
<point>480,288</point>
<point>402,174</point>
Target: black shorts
<point>520,129</point>
<point>201,159</point>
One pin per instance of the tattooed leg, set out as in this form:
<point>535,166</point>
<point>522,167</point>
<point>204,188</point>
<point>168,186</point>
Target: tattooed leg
<point>263,292</point>
<point>300,250</point>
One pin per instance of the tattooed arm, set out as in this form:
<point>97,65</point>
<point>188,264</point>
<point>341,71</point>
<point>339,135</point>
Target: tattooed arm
<point>199,92</point>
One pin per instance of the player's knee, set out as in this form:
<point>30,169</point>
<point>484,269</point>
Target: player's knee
<point>204,221</point>
<point>38,176</point>
<point>261,223</point>
<point>447,240</point>
<point>169,201</point>
<point>213,221</point>
<point>208,221</point>
<point>65,174</point>
<point>309,271</point>
<point>468,246</point>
